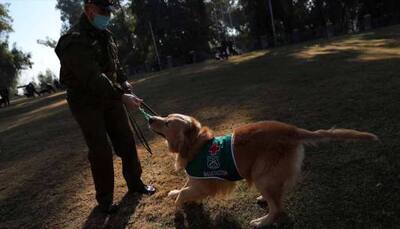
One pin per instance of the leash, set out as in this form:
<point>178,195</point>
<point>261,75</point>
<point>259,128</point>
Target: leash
<point>145,114</point>
<point>150,109</point>
<point>136,128</point>
<point>139,133</point>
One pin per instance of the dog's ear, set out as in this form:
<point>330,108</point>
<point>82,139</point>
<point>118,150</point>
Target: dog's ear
<point>190,136</point>
<point>205,134</point>
<point>180,145</point>
<point>176,143</point>
<point>183,139</point>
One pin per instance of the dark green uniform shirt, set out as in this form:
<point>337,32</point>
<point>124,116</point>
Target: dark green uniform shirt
<point>90,68</point>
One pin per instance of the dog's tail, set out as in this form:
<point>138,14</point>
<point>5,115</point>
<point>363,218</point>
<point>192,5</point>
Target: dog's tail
<point>313,137</point>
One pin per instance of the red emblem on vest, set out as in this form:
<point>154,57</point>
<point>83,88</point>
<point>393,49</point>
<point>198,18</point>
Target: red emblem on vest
<point>214,149</point>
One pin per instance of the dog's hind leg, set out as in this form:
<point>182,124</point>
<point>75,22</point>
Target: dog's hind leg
<point>261,199</point>
<point>273,184</point>
<point>273,194</point>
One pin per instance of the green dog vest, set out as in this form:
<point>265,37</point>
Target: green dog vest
<point>215,160</point>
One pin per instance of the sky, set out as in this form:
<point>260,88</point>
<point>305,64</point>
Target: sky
<point>33,20</point>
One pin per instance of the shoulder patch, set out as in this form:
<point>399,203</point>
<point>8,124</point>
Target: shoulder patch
<point>75,34</point>
<point>71,37</point>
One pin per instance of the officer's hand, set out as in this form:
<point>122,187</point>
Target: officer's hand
<point>131,102</point>
<point>127,87</point>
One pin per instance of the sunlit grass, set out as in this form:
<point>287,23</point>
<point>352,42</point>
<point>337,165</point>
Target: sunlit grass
<point>371,50</point>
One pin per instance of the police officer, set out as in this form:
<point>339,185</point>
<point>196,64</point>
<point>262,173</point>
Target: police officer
<point>97,91</point>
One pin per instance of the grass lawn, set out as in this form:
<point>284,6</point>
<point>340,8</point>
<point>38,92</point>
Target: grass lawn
<point>348,82</point>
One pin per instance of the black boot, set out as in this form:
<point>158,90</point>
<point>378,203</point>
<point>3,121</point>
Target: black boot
<point>141,188</point>
<point>108,208</point>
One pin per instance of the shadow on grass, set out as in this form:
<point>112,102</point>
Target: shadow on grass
<point>120,219</point>
<point>198,217</point>
<point>29,104</point>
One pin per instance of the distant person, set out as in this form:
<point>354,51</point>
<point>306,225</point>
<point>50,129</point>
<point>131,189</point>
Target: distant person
<point>97,89</point>
<point>57,84</point>
<point>31,90</point>
<point>223,53</point>
<point>28,93</point>
<point>47,88</point>
<point>5,95</point>
<point>231,48</point>
<point>2,101</point>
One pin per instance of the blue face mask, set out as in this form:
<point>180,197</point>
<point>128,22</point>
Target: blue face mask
<point>101,22</point>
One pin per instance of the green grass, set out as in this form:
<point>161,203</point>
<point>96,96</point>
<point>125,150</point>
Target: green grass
<point>349,82</point>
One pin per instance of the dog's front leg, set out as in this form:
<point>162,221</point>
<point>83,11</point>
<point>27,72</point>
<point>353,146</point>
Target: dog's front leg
<point>176,192</point>
<point>191,191</point>
<point>188,194</point>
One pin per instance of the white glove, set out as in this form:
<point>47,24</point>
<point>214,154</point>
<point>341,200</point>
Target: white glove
<point>131,102</point>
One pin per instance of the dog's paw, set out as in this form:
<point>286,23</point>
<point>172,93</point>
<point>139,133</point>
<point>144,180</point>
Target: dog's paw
<point>261,199</point>
<point>260,222</point>
<point>173,193</point>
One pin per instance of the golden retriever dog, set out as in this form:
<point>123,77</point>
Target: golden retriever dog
<point>266,154</point>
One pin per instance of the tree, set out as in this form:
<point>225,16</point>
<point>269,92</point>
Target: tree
<point>228,20</point>
<point>258,20</point>
<point>122,26</point>
<point>5,20</point>
<point>184,27</point>
<point>13,60</point>
<point>181,28</point>
<point>48,42</point>
<point>313,16</point>
<point>47,77</point>
<point>70,10</point>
